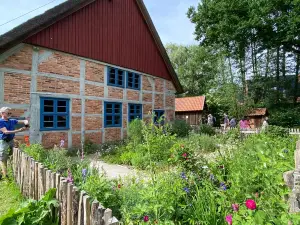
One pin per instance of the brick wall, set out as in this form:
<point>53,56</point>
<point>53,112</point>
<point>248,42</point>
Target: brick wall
<point>76,105</point>
<point>115,93</point>
<point>93,90</point>
<point>20,60</point>
<point>55,85</point>
<point>53,138</point>
<point>95,137</point>
<point>53,66</point>
<point>17,88</point>
<point>94,72</point>
<point>60,63</point>
<point>93,123</point>
<point>133,95</point>
<point>93,106</point>
<point>112,134</point>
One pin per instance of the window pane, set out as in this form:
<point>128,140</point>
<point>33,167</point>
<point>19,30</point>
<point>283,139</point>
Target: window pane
<point>62,103</point>
<point>48,121</point>
<point>61,109</point>
<point>109,118</point>
<point>138,110</point>
<point>120,73</point>
<point>48,106</point>
<point>48,109</point>
<point>61,118</point>
<point>48,124</point>
<point>131,118</point>
<point>109,122</point>
<point>62,124</point>
<point>136,86</point>
<point>111,79</point>
<point>120,82</point>
<point>109,108</point>
<point>117,120</point>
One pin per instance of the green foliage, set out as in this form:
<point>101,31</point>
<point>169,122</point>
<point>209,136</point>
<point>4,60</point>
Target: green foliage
<point>180,127</point>
<point>206,129</point>
<point>134,131</point>
<point>276,131</point>
<point>42,212</point>
<point>285,116</point>
<point>201,143</point>
<point>54,159</point>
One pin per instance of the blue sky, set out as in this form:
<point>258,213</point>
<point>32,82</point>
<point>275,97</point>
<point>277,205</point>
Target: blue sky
<point>169,16</point>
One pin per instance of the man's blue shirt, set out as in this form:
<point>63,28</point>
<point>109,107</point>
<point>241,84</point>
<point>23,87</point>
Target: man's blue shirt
<point>10,126</point>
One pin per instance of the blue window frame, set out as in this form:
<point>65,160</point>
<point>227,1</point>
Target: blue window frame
<point>112,114</point>
<point>55,114</point>
<point>134,112</point>
<point>133,81</point>
<point>159,114</point>
<point>115,77</point>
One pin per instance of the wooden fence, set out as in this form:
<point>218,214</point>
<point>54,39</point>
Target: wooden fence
<point>292,131</point>
<point>76,207</point>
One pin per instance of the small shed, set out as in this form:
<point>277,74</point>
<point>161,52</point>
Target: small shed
<point>257,116</point>
<point>190,109</point>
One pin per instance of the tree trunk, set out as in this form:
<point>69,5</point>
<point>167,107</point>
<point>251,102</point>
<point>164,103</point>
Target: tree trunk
<point>230,69</point>
<point>296,79</point>
<point>283,62</point>
<point>277,73</point>
<point>267,63</point>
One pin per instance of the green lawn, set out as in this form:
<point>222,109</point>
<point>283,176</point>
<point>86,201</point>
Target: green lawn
<point>10,197</point>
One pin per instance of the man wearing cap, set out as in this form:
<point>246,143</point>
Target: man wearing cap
<point>7,134</point>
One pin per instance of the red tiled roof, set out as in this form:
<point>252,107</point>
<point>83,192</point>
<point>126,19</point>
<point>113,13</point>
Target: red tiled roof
<point>189,104</point>
<point>258,112</point>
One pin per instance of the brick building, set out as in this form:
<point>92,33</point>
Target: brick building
<point>84,69</point>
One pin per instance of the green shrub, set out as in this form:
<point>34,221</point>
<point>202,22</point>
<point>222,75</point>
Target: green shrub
<point>206,129</point>
<point>36,151</point>
<point>134,131</point>
<point>180,127</point>
<point>42,212</point>
<point>201,143</point>
<point>277,131</point>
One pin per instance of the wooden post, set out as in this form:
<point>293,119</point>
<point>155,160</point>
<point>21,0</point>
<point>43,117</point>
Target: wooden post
<point>107,216</point>
<point>36,180</point>
<point>19,167</point>
<point>75,205</point>
<point>32,178</point>
<point>27,176</point>
<point>87,210</point>
<point>53,177</point>
<point>41,178</point>
<point>95,219</point>
<point>63,197</point>
<point>70,204</point>
<point>57,184</point>
<point>48,180</point>
<point>80,209</point>
<point>100,214</point>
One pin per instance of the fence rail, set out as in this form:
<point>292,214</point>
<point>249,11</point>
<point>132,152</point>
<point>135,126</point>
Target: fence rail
<point>292,131</point>
<point>76,207</point>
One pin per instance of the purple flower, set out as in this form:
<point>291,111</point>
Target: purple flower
<point>183,176</point>
<point>223,186</point>
<point>212,177</point>
<point>62,143</point>
<point>235,207</point>
<point>187,190</point>
<point>84,172</point>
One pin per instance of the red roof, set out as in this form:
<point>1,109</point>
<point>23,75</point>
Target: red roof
<point>189,104</point>
<point>258,112</point>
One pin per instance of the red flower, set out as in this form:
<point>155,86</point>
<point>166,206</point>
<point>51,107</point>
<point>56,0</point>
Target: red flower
<point>146,218</point>
<point>184,155</point>
<point>235,207</point>
<point>119,186</point>
<point>250,204</point>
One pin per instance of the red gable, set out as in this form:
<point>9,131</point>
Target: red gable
<point>189,104</point>
<point>117,32</point>
<point>113,31</point>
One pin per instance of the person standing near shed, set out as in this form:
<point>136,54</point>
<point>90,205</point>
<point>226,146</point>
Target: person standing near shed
<point>7,134</point>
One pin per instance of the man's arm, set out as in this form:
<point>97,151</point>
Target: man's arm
<point>5,131</point>
<point>25,122</point>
